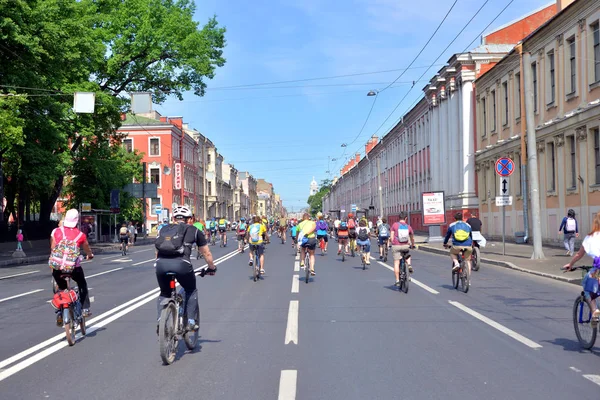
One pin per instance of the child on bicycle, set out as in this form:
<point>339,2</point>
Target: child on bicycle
<point>383,234</point>
<point>362,234</point>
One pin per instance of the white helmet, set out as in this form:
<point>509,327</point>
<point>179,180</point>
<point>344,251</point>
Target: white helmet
<point>182,212</point>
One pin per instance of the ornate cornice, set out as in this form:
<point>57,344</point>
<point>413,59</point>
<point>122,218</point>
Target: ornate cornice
<point>560,39</point>
<point>581,133</point>
<point>559,140</point>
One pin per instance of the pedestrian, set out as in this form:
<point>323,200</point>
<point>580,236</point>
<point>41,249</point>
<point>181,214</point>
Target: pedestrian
<point>135,233</point>
<point>20,240</point>
<point>131,230</point>
<point>570,229</point>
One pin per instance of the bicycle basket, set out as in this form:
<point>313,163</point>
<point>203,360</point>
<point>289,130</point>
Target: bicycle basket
<point>64,298</point>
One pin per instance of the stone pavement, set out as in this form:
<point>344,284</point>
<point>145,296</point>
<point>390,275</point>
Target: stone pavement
<point>518,257</point>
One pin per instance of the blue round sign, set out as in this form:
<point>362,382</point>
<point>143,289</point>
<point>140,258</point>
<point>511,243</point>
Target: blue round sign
<point>505,166</point>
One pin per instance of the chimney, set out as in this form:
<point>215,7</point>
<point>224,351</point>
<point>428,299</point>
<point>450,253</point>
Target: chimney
<point>357,158</point>
<point>176,121</point>
<point>562,4</point>
<point>163,119</point>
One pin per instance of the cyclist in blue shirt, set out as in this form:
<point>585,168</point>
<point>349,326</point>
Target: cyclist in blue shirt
<point>460,232</point>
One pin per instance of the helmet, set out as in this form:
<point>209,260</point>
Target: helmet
<point>182,212</point>
<point>242,219</point>
<point>350,215</point>
<point>319,214</point>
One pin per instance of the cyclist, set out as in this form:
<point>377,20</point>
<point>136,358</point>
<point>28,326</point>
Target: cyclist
<point>363,239</point>
<point>265,222</point>
<point>460,232</point>
<point>352,231</point>
<point>322,230</point>
<point>124,236</point>
<point>212,228</point>
<point>294,234</point>
<point>165,222</point>
<point>475,224</point>
<point>308,241</point>
<point>241,233</point>
<point>402,237</point>
<point>342,235</point>
<point>255,239</point>
<point>174,256</point>
<point>383,234</point>
<point>282,228</point>
<point>66,243</point>
<point>223,223</point>
<point>199,224</point>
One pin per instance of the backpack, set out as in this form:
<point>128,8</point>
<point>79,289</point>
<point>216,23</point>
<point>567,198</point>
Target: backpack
<point>571,225</point>
<point>242,227</point>
<point>255,233</point>
<point>351,224</point>
<point>461,231</point>
<point>363,233</point>
<point>322,226</point>
<point>170,241</point>
<point>384,230</point>
<point>65,254</point>
<point>123,231</point>
<point>343,226</point>
<point>403,233</point>
<point>222,223</point>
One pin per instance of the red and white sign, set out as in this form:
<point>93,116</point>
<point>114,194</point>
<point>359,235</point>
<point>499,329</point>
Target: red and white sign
<point>177,176</point>
<point>434,208</point>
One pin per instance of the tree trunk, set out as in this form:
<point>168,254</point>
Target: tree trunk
<point>1,189</point>
<point>47,204</point>
<point>28,208</point>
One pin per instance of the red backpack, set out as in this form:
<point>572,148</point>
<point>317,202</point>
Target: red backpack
<point>351,224</point>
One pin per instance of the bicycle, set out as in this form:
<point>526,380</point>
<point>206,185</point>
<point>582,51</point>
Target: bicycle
<point>475,257</point>
<point>582,317</point>
<point>352,247</point>
<point>385,250</point>
<point>363,256</point>
<point>172,325</point>
<point>223,237</point>
<point>123,248</point>
<point>307,265</point>
<point>241,244</point>
<point>322,246</point>
<point>343,243</point>
<point>256,264</point>
<point>461,275</point>
<point>69,313</point>
<point>213,238</point>
<point>404,276</point>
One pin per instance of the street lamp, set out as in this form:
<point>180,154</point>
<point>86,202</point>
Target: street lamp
<point>373,93</point>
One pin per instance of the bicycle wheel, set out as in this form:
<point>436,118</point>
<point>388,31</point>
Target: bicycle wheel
<point>82,326</point>
<point>191,337</point>
<point>476,260</point>
<point>70,327</point>
<point>352,244</point>
<point>307,266</point>
<point>167,338</point>
<point>385,253</point>
<point>256,267</point>
<point>343,255</point>
<point>464,277</point>
<point>363,259</point>
<point>455,278</point>
<point>404,278</point>
<point>582,317</point>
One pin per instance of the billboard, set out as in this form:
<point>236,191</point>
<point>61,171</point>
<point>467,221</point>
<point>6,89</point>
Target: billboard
<point>434,208</point>
<point>177,176</point>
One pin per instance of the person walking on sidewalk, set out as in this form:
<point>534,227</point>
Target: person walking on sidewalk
<point>570,229</point>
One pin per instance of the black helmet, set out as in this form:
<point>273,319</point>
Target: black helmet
<point>571,213</point>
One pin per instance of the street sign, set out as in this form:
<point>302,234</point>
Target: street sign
<point>502,201</point>
<point>353,207</point>
<point>177,176</point>
<point>136,190</point>
<point>503,187</point>
<point>86,207</point>
<point>157,208</point>
<point>505,166</point>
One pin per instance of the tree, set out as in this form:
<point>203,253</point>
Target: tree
<point>315,202</point>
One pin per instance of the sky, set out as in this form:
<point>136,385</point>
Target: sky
<point>286,133</point>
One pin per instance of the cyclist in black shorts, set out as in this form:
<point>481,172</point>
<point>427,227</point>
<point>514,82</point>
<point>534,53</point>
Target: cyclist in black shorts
<point>124,236</point>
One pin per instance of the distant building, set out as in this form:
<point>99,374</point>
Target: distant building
<point>314,187</point>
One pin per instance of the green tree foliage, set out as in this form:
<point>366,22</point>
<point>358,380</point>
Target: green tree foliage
<point>315,202</point>
<point>50,49</point>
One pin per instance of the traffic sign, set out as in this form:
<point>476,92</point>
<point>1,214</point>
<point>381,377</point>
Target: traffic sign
<point>353,207</point>
<point>503,188</point>
<point>502,201</point>
<point>157,208</point>
<point>505,166</point>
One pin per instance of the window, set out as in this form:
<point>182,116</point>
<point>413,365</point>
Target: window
<point>551,168</point>
<point>208,158</point>
<point>572,65</point>
<point>128,145</point>
<point>154,146</point>
<point>573,164</point>
<point>518,98</point>
<point>505,92</point>
<point>209,188</point>
<point>153,202</point>
<point>551,77</point>
<point>493,110</point>
<point>155,175</point>
<point>535,88</point>
<point>596,34</point>
<point>596,134</point>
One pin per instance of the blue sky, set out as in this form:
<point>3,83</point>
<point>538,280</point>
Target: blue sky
<point>285,133</point>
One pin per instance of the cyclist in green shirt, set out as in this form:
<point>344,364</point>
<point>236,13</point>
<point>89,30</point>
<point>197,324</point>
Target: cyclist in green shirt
<point>199,224</point>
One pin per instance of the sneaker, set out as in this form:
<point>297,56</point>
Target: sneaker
<point>381,257</point>
<point>250,263</point>
<point>568,252</point>
<point>192,325</point>
<point>410,269</point>
<point>456,267</point>
<point>262,271</point>
<point>59,319</point>
<point>339,252</point>
<point>397,283</point>
<point>301,264</point>
<point>312,273</point>
<point>368,262</point>
<point>86,312</point>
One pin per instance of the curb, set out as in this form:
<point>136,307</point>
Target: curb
<point>96,250</point>
<point>506,264</point>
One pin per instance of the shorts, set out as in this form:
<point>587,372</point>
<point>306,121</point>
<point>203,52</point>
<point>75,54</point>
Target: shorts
<point>310,244</point>
<point>282,228</point>
<point>457,249</point>
<point>343,239</point>
<point>324,237</point>
<point>352,233</point>
<point>222,230</point>
<point>259,248</point>
<point>124,239</point>
<point>240,237</point>
<point>400,250</point>
<point>383,239</point>
<point>213,231</point>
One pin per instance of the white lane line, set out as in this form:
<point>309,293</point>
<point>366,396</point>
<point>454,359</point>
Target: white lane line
<point>593,378</point>
<point>296,266</point>
<point>114,256</point>
<point>413,280</point>
<point>102,273</point>
<point>574,369</point>
<point>291,332</point>
<point>144,262</point>
<point>295,283</point>
<point>287,384</point>
<point>21,274</point>
<point>297,256</point>
<point>507,331</point>
<point>20,295</point>
<point>124,260</point>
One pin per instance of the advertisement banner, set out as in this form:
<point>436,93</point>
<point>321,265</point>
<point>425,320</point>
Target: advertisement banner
<point>177,176</point>
<point>434,208</point>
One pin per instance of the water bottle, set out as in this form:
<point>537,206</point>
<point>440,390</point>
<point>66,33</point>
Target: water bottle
<point>181,310</point>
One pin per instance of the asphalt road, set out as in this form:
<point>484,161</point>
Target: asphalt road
<point>347,334</point>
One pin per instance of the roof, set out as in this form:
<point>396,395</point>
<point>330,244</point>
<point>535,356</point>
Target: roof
<point>132,119</point>
<point>492,48</point>
<point>514,21</point>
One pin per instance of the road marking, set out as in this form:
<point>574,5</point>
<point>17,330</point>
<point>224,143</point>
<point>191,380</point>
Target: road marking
<point>593,378</point>
<point>115,256</point>
<point>287,384</point>
<point>124,260</point>
<point>125,307</point>
<point>20,295</point>
<point>144,262</point>
<point>21,274</point>
<point>291,332</point>
<point>102,273</point>
<point>518,337</point>
<point>297,256</point>
<point>574,369</point>
<point>296,266</point>
<point>295,283</point>
<point>413,280</point>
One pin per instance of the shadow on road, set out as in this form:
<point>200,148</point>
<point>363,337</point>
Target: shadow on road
<point>573,345</point>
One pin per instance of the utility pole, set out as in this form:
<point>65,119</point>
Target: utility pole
<point>379,184</point>
<point>143,197</point>
<point>538,252</point>
<point>524,186</point>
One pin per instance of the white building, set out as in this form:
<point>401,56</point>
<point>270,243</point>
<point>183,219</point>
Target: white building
<point>314,187</point>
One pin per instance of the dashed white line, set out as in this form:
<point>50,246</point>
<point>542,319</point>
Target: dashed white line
<point>295,283</point>
<point>593,378</point>
<point>507,331</point>
<point>20,295</point>
<point>574,369</point>
<point>21,274</point>
<point>287,384</point>
<point>102,273</point>
<point>296,266</point>
<point>144,262</point>
<point>124,260</point>
<point>291,332</point>
<point>413,280</point>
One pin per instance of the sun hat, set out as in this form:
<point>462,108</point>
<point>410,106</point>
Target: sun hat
<point>71,218</point>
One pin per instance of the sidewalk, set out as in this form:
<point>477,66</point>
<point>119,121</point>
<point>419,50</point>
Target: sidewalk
<point>39,250</point>
<point>518,257</point>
